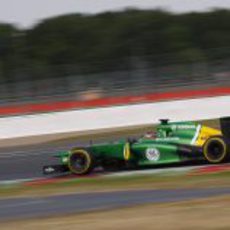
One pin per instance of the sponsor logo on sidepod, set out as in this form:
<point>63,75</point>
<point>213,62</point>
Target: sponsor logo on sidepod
<point>152,154</point>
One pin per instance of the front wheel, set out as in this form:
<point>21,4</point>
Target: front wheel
<point>80,162</point>
<point>215,150</point>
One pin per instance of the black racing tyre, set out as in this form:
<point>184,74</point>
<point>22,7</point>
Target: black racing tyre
<point>80,162</point>
<point>215,150</point>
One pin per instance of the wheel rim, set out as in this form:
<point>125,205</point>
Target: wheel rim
<point>215,151</point>
<point>79,162</point>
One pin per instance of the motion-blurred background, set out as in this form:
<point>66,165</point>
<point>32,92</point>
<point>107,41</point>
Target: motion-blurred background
<point>121,52</point>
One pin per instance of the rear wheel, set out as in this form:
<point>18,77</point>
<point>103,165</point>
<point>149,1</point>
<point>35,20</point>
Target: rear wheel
<point>215,150</point>
<point>80,162</point>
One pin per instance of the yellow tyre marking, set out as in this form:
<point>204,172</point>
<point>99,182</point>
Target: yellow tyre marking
<point>205,151</point>
<point>83,152</point>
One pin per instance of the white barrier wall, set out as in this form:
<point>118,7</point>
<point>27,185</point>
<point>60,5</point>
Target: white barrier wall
<point>113,117</point>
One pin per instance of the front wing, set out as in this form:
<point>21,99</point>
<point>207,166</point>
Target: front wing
<point>53,169</point>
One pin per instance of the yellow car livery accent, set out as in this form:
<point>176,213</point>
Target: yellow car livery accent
<point>205,133</point>
<point>127,152</point>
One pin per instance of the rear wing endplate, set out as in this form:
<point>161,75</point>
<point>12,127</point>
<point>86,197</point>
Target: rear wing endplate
<point>225,126</point>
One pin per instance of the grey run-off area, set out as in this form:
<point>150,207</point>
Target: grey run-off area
<point>20,208</point>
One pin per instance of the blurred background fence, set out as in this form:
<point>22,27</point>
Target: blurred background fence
<point>70,83</point>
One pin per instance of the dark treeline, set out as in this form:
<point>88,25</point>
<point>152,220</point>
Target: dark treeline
<point>111,41</point>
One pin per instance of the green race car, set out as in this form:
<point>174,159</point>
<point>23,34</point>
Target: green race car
<point>173,142</point>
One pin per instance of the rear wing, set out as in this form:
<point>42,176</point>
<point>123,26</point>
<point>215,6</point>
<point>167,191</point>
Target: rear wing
<point>225,126</point>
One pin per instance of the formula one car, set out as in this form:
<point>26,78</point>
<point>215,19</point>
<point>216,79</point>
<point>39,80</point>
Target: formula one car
<point>173,142</point>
